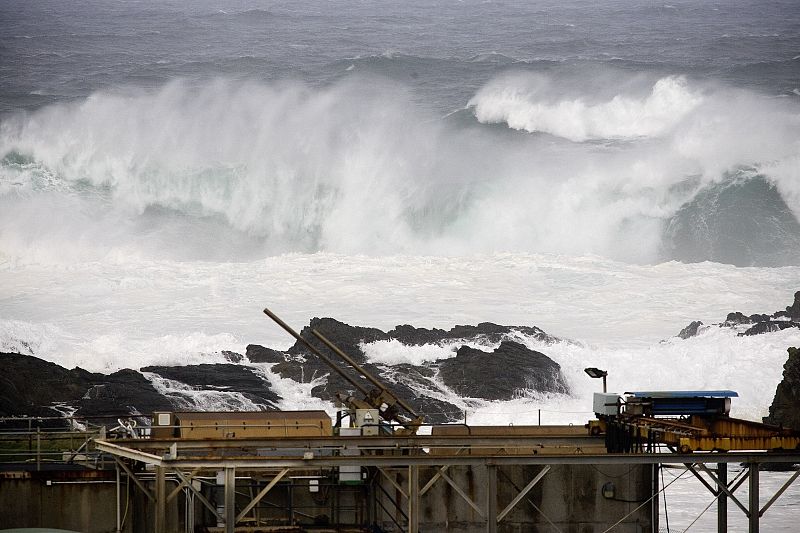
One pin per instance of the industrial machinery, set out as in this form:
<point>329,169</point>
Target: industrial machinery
<point>390,408</point>
<point>685,421</point>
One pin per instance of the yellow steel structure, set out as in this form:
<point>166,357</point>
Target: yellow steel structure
<point>693,433</point>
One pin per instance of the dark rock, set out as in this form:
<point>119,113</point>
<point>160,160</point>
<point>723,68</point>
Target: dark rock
<point>220,377</point>
<point>485,331</point>
<point>793,311</point>
<point>408,382</point>
<point>343,336</point>
<point>233,357</point>
<point>737,318</point>
<point>501,374</point>
<point>769,327</point>
<point>785,408</point>
<point>30,386</point>
<point>260,354</point>
<point>691,330</point>
<point>759,323</point>
<point>125,391</point>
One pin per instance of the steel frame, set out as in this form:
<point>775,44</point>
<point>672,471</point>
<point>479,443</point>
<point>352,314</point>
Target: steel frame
<point>184,460</point>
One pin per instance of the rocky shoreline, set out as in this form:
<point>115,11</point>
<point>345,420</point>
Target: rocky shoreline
<point>33,387</point>
<point>486,362</point>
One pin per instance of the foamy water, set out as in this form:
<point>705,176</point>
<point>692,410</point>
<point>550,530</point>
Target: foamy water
<point>168,170</point>
<point>104,316</point>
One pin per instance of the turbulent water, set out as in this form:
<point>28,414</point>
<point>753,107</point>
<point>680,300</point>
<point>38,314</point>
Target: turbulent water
<point>608,171</point>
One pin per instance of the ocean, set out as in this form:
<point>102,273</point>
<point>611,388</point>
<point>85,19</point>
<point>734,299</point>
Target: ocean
<point>607,171</point>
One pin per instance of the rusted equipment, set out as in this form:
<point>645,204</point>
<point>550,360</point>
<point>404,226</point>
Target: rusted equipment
<point>240,424</point>
<point>380,398</point>
<point>686,421</point>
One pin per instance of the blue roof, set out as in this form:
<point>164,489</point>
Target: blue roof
<point>685,394</point>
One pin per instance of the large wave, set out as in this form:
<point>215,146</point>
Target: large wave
<point>235,169</point>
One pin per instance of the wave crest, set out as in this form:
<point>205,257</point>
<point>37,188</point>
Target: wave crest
<point>528,103</point>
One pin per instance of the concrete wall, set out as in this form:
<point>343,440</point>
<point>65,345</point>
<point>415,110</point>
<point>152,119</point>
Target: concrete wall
<point>89,506</point>
<point>568,496</point>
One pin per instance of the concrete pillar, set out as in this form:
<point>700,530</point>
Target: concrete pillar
<point>754,506</point>
<point>491,499</point>
<point>230,499</point>
<point>413,499</point>
<point>161,500</point>
<point>722,501</point>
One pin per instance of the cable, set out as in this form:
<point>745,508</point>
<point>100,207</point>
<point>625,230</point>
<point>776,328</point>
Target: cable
<point>666,511</point>
<point>530,502</point>
<point>618,522</point>
<point>719,493</point>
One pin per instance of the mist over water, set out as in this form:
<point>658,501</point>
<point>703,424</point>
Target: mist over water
<point>359,167</point>
<point>168,170</point>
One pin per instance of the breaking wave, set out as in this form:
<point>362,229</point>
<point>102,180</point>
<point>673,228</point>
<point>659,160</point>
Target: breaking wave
<point>525,103</point>
<point>246,169</point>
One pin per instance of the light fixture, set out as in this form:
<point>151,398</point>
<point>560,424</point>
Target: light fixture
<point>597,373</point>
<point>608,490</point>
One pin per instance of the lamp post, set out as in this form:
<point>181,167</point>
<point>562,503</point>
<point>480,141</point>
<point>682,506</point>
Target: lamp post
<point>597,373</point>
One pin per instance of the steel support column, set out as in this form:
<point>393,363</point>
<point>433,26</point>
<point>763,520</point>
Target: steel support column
<point>491,499</point>
<point>161,500</point>
<point>722,499</point>
<point>230,499</point>
<point>413,499</point>
<point>755,508</point>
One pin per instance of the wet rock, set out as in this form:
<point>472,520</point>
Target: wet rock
<point>485,331</point>
<point>785,408</point>
<point>769,326</point>
<point>758,323</point>
<point>30,386</point>
<point>502,373</point>
<point>260,354</point>
<point>125,391</point>
<point>737,318</point>
<point>233,357</point>
<point>691,330</point>
<point>793,311</point>
<point>220,377</point>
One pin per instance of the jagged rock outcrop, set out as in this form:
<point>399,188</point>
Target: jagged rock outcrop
<point>31,386</point>
<point>785,408</point>
<point>125,391</point>
<point>220,377</point>
<point>497,375</point>
<point>691,330</point>
<point>758,323</point>
<point>502,373</point>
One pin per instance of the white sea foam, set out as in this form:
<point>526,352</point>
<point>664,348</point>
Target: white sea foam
<point>527,103</point>
<point>293,394</point>
<point>104,316</point>
<point>189,398</point>
<point>246,170</point>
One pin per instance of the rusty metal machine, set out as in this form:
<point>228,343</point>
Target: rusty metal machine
<point>390,408</point>
<point>684,421</point>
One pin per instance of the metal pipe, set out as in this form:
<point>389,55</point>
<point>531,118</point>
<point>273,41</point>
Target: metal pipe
<point>119,518</point>
<point>755,506</point>
<point>722,500</point>
<point>361,370</point>
<point>316,352</point>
